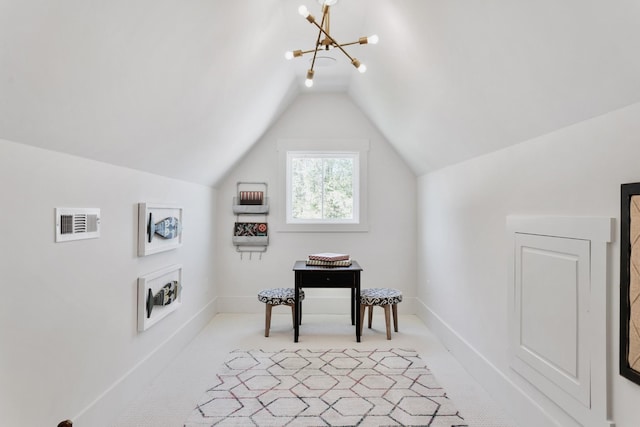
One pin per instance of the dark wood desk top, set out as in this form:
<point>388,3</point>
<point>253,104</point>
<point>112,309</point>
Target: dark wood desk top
<point>302,266</point>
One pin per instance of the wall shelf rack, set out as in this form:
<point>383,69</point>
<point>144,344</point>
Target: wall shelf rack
<point>251,207</point>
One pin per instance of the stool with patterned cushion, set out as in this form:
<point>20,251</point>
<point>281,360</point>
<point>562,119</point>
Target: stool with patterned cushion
<point>278,296</point>
<point>384,297</point>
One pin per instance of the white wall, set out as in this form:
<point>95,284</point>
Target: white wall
<point>386,252</point>
<point>462,282</point>
<point>69,347</point>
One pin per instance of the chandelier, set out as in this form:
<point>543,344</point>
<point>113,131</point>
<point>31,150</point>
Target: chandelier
<point>325,41</point>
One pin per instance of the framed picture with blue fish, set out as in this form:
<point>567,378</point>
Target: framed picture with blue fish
<point>159,293</point>
<point>159,228</point>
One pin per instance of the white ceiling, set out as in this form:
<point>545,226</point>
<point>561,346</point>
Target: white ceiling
<point>184,88</point>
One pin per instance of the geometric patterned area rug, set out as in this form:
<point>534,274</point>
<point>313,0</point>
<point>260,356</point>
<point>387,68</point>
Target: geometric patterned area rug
<point>325,388</point>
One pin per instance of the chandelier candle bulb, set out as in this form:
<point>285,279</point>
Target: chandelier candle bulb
<point>309,81</point>
<point>290,55</point>
<point>369,40</point>
<point>361,67</point>
<point>302,10</point>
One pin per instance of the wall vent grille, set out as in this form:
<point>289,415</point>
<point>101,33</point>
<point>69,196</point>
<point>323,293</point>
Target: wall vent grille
<point>77,223</point>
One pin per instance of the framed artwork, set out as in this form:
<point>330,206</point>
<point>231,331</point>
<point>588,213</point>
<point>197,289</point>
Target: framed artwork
<point>159,228</point>
<point>159,293</point>
<point>630,282</point>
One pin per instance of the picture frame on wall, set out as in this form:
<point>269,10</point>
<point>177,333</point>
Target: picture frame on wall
<point>630,282</point>
<point>159,228</point>
<point>159,294</point>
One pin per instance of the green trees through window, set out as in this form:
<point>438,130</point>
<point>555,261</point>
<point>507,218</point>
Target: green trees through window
<point>323,187</point>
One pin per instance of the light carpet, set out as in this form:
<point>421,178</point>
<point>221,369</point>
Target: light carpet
<point>339,387</point>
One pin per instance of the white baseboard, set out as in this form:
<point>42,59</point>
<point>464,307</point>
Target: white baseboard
<point>315,305</point>
<point>514,397</point>
<point>102,411</point>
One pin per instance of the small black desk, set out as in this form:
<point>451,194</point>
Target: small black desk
<point>307,276</point>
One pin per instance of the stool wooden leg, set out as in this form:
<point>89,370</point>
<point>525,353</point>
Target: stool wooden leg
<point>387,319</point>
<point>361,314</point>
<point>370,315</point>
<point>293,314</point>
<point>267,319</point>
<point>394,308</point>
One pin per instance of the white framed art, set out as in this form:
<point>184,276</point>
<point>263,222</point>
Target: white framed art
<point>159,228</point>
<point>159,293</point>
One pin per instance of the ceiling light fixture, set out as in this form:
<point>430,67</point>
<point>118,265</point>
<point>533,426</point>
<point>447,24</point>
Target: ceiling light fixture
<point>328,42</point>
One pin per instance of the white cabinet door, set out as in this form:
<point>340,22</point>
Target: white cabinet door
<point>551,296</point>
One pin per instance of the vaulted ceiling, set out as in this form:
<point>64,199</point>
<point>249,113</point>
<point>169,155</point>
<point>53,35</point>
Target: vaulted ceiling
<point>184,88</point>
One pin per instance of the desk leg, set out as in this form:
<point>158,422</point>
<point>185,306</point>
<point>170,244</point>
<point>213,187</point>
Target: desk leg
<point>353,305</point>
<point>356,303</point>
<point>296,309</point>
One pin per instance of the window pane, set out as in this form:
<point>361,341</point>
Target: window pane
<point>338,188</point>
<point>306,197</point>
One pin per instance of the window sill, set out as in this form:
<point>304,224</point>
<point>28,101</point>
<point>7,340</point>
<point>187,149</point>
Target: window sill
<point>322,228</point>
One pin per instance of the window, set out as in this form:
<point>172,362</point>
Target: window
<point>324,184</point>
<point>322,187</point>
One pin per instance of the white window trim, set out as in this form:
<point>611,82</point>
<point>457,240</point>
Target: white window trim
<point>359,146</point>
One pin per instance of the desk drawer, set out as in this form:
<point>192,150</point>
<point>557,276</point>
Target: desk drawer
<point>328,278</point>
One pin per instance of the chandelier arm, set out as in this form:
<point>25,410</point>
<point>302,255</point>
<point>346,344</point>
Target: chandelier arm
<point>315,52</point>
<point>304,52</point>
<point>348,44</point>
